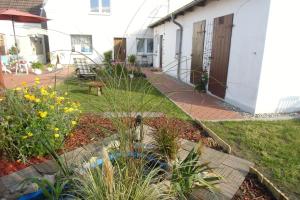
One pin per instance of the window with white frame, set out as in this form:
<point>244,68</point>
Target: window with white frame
<point>81,43</point>
<point>144,45</point>
<point>100,6</point>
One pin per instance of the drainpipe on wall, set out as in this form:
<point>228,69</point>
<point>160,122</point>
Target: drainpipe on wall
<point>180,45</point>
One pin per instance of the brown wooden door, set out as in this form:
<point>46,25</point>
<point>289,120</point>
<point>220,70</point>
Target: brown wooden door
<point>221,42</point>
<point>2,45</point>
<point>197,52</point>
<point>120,49</point>
<point>161,37</point>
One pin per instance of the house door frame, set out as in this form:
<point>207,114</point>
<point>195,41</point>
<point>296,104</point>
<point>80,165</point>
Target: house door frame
<point>221,43</point>
<point>197,52</point>
<point>120,49</point>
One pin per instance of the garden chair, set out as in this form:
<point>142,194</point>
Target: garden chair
<point>83,69</point>
<point>5,64</point>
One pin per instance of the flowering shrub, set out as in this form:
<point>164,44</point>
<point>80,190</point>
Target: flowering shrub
<point>31,115</point>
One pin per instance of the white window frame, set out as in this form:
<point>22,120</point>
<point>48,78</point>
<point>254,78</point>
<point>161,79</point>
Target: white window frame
<point>84,52</point>
<point>101,10</point>
<point>145,52</point>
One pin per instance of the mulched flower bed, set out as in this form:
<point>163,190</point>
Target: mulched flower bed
<point>252,189</point>
<point>89,129</point>
<point>188,130</point>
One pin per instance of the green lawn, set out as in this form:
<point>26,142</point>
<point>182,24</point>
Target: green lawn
<point>139,95</point>
<point>274,146</point>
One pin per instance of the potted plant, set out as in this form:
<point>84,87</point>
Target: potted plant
<point>202,86</point>
<point>37,67</point>
<point>50,67</point>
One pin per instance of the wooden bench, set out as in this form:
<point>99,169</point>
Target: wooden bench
<point>98,85</point>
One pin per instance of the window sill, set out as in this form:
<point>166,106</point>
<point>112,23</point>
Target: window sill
<point>99,14</point>
<point>84,53</point>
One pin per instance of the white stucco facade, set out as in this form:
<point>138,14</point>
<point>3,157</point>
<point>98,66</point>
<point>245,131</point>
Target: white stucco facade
<point>127,19</point>
<point>253,69</point>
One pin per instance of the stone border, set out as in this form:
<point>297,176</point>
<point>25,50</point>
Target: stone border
<point>279,195</point>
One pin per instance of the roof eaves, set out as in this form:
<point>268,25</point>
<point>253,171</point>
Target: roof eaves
<point>186,8</point>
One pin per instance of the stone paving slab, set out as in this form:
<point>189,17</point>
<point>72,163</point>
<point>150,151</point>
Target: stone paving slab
<point>132,114</point>
<point>231,168</point>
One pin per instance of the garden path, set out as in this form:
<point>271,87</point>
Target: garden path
<point>200,106</point>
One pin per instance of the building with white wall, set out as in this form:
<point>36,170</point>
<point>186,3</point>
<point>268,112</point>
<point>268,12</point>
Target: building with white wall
<point>92,27</point>
<point>248,48</point>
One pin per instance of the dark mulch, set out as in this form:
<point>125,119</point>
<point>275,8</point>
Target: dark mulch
<point>252,189</point>
<point>94,127</point>
<point>89,129</point>
<point>187,130</point>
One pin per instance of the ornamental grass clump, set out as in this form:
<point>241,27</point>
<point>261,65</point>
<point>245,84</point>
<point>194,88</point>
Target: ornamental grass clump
<point>166,141</point>
<point>30,114</point>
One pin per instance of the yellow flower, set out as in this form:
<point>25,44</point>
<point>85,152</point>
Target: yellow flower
<point>29,134</point>
<point>56,129</point>
<point>74,123</point>
<point>37,100</point>
<point>44,92</point>
<point>53,94</point>
<point>66,93</point>
<point>43,114</point>
<point>37,80</point>
<point>24,137</point>
<point>56,135</point>
<point>29,97</point>
<point>18,89</point>
<point>24,83</point>
<point>52,107</point>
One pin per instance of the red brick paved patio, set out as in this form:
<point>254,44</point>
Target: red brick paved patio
<point>48,78</point>
<point>198,105</point>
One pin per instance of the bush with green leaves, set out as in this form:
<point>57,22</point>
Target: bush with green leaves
<point>37,65</point>
<point>107,57</point>
<point>30,114</point>
<point>132,59</point>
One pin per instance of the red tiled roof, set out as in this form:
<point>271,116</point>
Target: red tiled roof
<point>31,6</point>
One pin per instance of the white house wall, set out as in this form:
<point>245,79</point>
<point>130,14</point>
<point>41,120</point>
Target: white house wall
<point>279,88</point>
<point>127,19</point>
<point>248,37</point>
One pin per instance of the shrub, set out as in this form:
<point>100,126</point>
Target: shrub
<point>107,57</point>
<point>33,114</point>
<point>131,59</point>
<point>201,87</point>
<point>166,141</point>
<point>37,65</point>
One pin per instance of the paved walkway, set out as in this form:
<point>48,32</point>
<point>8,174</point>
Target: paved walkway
<point>48,78</point>
<point>198,105</point>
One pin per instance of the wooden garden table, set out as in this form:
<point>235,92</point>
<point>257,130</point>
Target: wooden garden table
<point>99,85</point>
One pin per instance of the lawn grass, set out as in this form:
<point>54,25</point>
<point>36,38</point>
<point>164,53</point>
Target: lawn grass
<point>141,95</point>
<point>274,146</point>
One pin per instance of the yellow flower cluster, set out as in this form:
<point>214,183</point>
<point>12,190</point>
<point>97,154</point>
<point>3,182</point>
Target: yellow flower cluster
<point>44,92</point>
<point>43,114</point>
